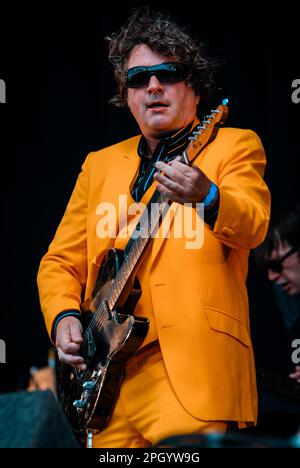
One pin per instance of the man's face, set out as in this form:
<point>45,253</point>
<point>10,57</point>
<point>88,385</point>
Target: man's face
<point>176,102</point>
<point>289,278</point>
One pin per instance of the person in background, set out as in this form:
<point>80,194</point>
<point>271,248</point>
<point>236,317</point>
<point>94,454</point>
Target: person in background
<point>279,255</point>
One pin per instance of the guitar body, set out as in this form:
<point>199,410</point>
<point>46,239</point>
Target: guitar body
<point>88,397</point>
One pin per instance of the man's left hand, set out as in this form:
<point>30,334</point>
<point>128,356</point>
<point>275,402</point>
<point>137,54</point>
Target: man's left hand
<point>181,183</point>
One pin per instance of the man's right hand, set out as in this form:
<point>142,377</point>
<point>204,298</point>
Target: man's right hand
<point>68,341</point>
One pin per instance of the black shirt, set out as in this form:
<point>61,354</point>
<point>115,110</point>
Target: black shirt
<point>166,150</point>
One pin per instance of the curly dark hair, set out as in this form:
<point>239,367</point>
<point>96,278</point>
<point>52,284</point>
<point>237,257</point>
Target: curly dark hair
<point>165,37</point>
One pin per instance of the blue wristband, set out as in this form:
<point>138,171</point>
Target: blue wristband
<point>210,196</point>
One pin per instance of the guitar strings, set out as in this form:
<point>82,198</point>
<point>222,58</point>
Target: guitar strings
<point>135,251</point>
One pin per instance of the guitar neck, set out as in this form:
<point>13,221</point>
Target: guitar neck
<point>143,233</point>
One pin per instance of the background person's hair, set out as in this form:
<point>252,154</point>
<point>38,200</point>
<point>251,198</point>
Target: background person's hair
<point>165,37</point>
<point>284,226</point>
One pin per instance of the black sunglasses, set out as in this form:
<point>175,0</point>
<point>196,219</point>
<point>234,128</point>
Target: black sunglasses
<point>167,72</point>
<point>276,265</point>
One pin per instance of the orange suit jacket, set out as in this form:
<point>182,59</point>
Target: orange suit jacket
<point>199,296</point>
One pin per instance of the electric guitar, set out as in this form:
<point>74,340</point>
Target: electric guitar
<point>112,333</point>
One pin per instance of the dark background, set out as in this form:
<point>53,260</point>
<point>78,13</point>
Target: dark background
<point>54,62</point>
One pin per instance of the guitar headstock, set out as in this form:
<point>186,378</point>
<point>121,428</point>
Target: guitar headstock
<point>204,132</point>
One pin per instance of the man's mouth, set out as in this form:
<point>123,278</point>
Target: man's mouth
<point>156,104</point>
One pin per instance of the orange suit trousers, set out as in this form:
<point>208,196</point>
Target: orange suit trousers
<point>147,410</point>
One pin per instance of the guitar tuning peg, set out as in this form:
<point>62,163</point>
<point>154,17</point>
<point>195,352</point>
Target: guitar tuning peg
<point>89,384</point>
<point>79,404</point>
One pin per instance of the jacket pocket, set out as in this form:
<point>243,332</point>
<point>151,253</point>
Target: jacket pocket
<point>224,323</point>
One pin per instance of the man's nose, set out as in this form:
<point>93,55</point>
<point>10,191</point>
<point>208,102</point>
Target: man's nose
<point>154,85</point>
<point>273,275</point>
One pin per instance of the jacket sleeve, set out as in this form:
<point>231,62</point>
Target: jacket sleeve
<point>244,208</point>
<point>63,269</point>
